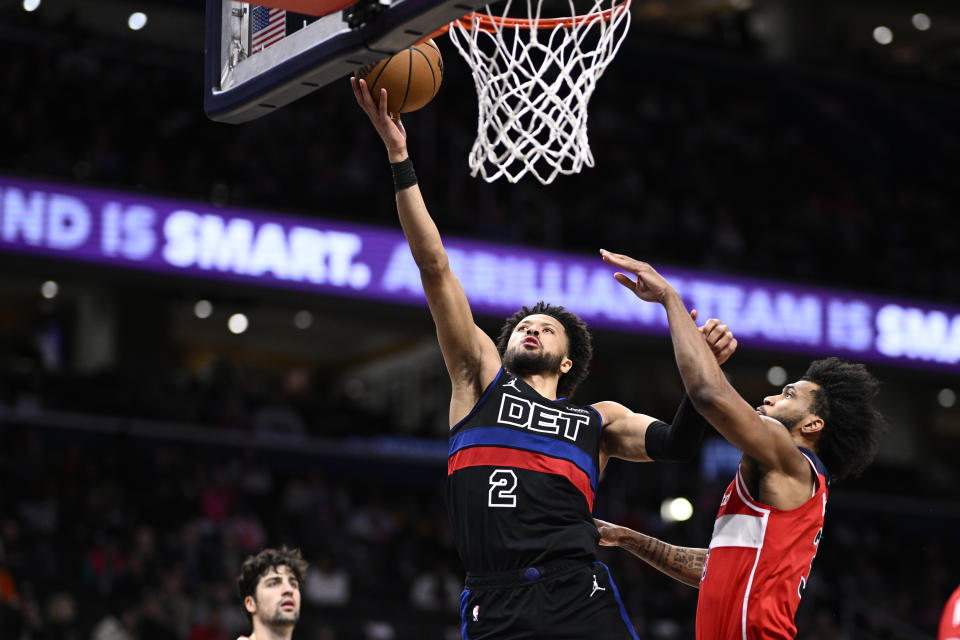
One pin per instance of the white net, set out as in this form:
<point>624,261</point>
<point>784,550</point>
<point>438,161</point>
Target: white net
<point>534,79</point>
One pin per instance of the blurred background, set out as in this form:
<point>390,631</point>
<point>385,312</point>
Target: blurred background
<point>156,428</point>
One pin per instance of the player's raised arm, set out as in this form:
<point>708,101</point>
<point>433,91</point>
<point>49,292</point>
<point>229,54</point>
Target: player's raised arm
<point>760,438</point>
<point>471,357</point>
<point>639,438</point>
<point>684,564</point>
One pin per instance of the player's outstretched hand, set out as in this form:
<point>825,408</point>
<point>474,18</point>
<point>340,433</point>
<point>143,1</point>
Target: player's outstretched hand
<point>649,286</point>
<point>391,130</point>
<point>609,533</point>
<point>719,338</point>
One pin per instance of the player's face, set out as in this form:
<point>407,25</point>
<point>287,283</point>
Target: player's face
<point>791,405</point>
<point>277,599</point>
<point>538,345</point>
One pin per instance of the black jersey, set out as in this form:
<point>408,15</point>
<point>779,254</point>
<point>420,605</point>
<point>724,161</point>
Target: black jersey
<point>521,477</point>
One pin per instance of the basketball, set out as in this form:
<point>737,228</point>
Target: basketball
<point>411,77</point>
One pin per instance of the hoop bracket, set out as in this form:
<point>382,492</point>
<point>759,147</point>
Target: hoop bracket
<point>364,11</point>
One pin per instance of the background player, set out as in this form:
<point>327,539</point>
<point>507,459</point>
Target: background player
<point>524,461</point>
<point>269,585</point>
<point>771,516</point>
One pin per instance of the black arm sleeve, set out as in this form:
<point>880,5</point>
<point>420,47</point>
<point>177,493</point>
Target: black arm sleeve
<point>677,442</point>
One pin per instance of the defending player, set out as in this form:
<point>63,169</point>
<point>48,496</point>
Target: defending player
<point>771,516</point>
<point>269,585</point>
<point>524,461</point>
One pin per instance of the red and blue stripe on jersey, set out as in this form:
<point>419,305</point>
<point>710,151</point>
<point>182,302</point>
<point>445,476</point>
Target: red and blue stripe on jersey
<point>522,474</point>
<point>509,447</point>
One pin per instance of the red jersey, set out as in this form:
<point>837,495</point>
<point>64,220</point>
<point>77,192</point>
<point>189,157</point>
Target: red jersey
<point>758,563</point>
<point>950,622</point>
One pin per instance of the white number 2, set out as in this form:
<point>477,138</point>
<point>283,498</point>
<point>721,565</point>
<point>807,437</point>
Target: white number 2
<point>502,484</point>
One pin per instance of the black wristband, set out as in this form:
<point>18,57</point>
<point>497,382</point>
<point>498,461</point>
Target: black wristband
<point>403,175</point>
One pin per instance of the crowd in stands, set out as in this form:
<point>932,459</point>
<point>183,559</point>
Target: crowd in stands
<point>703,160</point>
<point>126,538</point>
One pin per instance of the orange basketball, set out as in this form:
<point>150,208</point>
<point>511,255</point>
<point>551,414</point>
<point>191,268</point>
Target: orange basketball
<point>411,77</point>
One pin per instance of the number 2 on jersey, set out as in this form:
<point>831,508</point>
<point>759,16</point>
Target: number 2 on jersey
<point>503,482</point>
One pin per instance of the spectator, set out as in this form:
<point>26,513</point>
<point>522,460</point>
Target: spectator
<point>327,585</point>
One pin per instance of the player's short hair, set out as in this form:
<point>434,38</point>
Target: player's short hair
<point>851,424</point>
<point>579,340</point>
<point>255,567</point>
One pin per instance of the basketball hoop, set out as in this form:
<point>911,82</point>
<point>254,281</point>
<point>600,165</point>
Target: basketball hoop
<point>534,79</point>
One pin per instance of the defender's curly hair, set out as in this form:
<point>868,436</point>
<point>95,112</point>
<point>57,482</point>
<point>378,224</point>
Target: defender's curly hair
<point>851,425</point>
<point>254,567</point>
<point>579,342</point>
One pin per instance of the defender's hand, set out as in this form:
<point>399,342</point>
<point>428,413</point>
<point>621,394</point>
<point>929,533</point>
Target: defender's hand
<point>609,533</point>
<point>719,338</point>
<point>650,285</point>
<point>391,130</point>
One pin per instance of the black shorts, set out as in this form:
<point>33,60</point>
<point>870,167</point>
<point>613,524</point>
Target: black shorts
<point>562,600</point>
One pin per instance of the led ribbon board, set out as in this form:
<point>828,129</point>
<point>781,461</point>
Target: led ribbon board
<point>130,231</point>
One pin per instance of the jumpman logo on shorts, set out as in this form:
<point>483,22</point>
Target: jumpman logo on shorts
<point>596,587</point>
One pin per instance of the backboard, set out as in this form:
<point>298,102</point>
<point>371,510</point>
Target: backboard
<point>259,59</point>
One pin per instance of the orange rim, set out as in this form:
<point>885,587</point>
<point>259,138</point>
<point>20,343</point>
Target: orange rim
<point>490,24</point>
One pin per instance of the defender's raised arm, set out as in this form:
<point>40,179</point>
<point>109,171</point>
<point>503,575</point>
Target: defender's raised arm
<point>637,437</point>
<point>760,438</point>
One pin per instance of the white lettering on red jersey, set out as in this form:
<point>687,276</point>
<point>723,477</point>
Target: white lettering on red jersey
<point>758,563</point>
<point>950,622</point>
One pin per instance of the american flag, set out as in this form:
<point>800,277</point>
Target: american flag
<point>269,27</point>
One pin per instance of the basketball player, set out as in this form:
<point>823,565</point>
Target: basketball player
<point>524,461</point>
<point>950,622</point>
<point>771,516</point>
<point>269,584</point>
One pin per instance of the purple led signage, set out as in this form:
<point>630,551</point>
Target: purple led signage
<point>333,258</point>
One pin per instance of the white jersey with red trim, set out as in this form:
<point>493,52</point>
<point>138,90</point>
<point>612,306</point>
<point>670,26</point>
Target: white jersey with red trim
<point>758,564</point>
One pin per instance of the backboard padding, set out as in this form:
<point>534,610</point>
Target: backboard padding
<point>242,87</point>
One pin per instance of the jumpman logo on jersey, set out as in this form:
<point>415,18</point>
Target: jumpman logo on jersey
<point>512,383</point>
<point>596,587</point>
